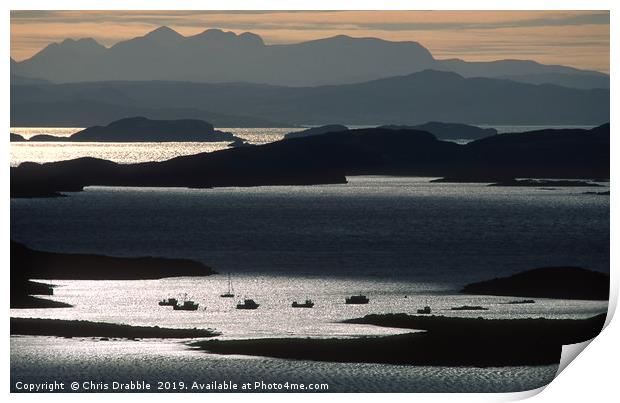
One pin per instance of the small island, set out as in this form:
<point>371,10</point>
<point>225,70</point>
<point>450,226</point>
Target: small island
<point>519,301</point>
<point>83,328</point>
<point>141,129</point>
<point>547,282</point>
<point>469,308</point>
<point>448,131</point>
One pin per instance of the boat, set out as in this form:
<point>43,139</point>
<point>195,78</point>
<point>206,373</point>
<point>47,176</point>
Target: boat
<point>186,306</point>
<point>425,310</point>
<point>168,302</point>
<point>247,304</point>
<point>356,299</point>
<point>230,293</point>
<point>307,304</point>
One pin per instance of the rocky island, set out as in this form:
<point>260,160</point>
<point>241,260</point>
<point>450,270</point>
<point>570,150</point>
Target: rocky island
<point>448,131</point>
<point>83,328</point>
<point>141,129</point>
<point>547,282</point>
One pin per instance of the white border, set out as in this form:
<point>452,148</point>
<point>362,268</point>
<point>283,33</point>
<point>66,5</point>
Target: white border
<point>592,376</point>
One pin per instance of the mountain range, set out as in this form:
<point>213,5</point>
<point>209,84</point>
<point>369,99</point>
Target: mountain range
<point>216,56</point>
<point>428,95</point>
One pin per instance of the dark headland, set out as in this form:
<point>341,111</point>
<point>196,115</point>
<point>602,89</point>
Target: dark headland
<point>445,341</point>
<point>544,182</point>
<point>547,282</point>
<point>329,158</point>
<point>448,131</point>
<point>141,129</point>
<point>82,328</point>
<point>441,130</point>
<point>29,264</point>
<point>315,131</point>
<point>17,138</point>
<point>23,293</point>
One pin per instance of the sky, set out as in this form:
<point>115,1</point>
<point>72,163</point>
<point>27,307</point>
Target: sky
<point>573,38</point>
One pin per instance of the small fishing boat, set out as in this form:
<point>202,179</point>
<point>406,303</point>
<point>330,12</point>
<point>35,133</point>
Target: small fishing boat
<point>168,302</point>
<point>307,304</point>
<point>231,292</point>
<point>186,306</point>
<point>247,304</point>
<point>356,299</point>
<point>426,310</point>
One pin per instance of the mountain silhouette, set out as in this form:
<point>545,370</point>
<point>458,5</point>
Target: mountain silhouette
<point>218,56</point>
<point>412,99</point>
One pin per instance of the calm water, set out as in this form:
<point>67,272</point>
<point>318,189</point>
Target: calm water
<point>126,153</point>
<point>135,302</point>
<point>375,227</point>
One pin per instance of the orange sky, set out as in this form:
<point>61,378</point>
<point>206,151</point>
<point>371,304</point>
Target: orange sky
<point>574,38</point>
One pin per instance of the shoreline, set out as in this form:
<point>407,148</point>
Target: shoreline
<point>83,328</point>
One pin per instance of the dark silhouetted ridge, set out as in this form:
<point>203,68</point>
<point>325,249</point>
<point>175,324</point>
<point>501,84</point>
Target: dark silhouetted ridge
<point>547,282</point>
<point>219,56</point>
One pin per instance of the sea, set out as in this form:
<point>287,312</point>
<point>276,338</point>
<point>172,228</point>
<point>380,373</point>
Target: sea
<point>404,242</point>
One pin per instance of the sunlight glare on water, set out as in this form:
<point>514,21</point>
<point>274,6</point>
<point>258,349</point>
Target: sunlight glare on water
<point>127,153</point>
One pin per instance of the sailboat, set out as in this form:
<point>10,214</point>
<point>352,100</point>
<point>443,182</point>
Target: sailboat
<point>230,293</point>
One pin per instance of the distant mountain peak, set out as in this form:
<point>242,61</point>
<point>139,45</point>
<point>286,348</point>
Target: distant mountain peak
<point>228,37</point>
<point>79,45</point>
<point>163,33</point>
<point>251,37</point>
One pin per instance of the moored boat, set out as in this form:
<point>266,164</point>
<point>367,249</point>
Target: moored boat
<point>307,304</point>
<point>168,302</point>
<point>230,293</point>
<point>186,306</point>
<point>356,299</point>
<point>425,310</point>
<point>247,304</point>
